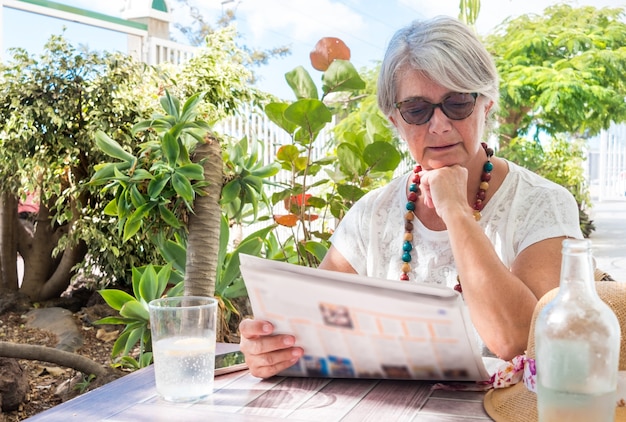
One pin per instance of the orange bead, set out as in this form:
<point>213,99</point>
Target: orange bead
<point>406,267</point>
<point>409,216</point>
<point>408,236</point>
<point>484,185</point>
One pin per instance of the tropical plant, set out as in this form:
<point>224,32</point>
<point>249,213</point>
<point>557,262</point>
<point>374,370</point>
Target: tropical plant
<point>353,161</point>
<point>149,283</point>
<point>150,191</point>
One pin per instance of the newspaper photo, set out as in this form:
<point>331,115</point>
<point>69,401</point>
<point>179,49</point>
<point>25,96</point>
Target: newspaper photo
<point>352,326</point>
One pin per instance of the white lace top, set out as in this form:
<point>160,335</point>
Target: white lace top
<point>526,209</point>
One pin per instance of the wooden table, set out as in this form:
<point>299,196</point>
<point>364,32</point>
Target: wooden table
<point>241,397</point>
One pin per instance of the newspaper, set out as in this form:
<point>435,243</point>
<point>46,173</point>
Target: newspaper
<point>352,326</point>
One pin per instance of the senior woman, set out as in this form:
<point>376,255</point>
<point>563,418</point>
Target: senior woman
<point>463,218</point>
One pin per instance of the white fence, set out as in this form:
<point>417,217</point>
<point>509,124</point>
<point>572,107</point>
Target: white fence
<point>607,167</point>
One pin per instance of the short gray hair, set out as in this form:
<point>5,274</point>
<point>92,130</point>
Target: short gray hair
<point>444,50</point>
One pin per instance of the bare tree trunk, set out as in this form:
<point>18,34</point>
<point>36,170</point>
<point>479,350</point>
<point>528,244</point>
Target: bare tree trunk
<point>62,276</point>
<point>45,276</point>
<point>204,224</point>
<point>8,242</point>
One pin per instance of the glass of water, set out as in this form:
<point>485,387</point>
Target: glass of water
<point>183,344</point>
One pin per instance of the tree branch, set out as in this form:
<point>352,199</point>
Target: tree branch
<point>51,355</point>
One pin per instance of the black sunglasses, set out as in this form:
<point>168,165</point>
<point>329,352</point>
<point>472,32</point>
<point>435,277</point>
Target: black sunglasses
<point>457,106</point>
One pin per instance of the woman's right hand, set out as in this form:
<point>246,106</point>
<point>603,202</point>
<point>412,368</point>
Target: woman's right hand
<point>266,353</point>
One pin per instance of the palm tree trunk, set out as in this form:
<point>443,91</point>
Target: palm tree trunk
<point>8,242</point>
<point>204,223</point>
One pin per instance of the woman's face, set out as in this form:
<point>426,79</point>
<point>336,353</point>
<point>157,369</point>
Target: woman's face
<point>441,141</point>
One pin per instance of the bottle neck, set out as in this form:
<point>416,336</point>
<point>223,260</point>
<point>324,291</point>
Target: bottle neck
<point>577,268</point>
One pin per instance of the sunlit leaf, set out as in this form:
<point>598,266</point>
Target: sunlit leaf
<point>301,83</point>
<point>111,147</point>
<point>309,114</point>
<point>275,112</point>
<point>341,76</point>
<point>382,156</point>
<point>289,220</point>
<point>326,51</point>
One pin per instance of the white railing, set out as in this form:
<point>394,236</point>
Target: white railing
<point>144,47</point>
<point>165,51</point>
<point>612,163</point>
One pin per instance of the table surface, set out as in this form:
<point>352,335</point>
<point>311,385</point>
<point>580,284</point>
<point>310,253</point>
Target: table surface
<point>239,396</point>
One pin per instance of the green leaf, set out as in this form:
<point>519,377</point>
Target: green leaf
<point>301,83</point>
<point>136,279</point>
<point>266,171</point>
<point>145,359</point>
<point>190,108</point>
<point>162,279</point>
<point>111,208</point>
<point>177,290</point>
<point>255,182</point>
<point>341,76</point>
<point>230,191</point>
<point>120,343</point>
<point>309,114</point>
<point>136,198</point>
<point>316,248</point>
<point>169,217</point>
<point>223,245</point>
<point>112,321</point>
<point>135,310</point>
<point>251,245</point>
<point>235,290</point>
<point>141,126</point>
<point>132,226</point>
<point>191,171</point>
<point>171,149</point>
<point>104,172</point>
<point>183,188</point>
<point>349,159</point>
<point>382,156</point>
<point>115,298</point>
<point>140,175</point>
<point>175,254</point>
<point>288,153</point>
<point>275,112</point>
<point>111,147</point>
<point>133,338</point>
<point>156,185</point>
<point>170,104</point>
<point>350,193</point>
<point>148,284</point>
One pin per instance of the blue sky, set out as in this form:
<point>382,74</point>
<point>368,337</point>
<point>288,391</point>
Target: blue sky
<point>364,25</point>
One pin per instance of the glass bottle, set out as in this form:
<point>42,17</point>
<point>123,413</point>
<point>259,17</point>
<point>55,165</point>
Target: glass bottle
<point>577,342</point>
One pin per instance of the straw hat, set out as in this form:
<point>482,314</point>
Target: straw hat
<point>517,403</point>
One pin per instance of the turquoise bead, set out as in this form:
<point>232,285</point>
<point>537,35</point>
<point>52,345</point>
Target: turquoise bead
<point>406,257</point>
<point>488,166</point>
<point>410,206</point>
<point>413,187</point>
<point>407,247</point>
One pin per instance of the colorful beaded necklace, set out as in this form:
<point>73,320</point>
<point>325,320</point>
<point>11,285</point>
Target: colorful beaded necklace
<point>414,193</point>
